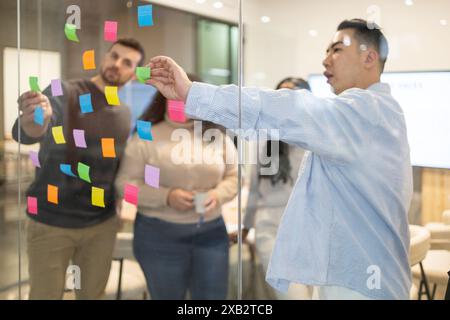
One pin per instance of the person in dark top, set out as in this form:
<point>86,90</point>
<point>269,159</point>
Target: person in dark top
<point>75,229</point>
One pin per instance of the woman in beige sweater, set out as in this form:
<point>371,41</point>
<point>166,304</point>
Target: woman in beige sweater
<point>178,247</point>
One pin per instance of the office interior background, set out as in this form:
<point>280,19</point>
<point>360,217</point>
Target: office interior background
<point>280,38</point>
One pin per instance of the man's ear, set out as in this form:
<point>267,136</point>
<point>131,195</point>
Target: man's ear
<point>372,58</point>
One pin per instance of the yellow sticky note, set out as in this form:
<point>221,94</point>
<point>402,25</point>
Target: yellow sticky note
<point>98,197</point>
<point>108,149</point>
<point>52,194</point>
<point>89,60</point>
<point>111,96</point>
<point>58,135</point>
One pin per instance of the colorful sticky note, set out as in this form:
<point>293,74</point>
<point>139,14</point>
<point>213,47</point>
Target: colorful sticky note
<point>58,135</point>
<point>78,137</point>
<point>85,103</point>
<point>131,194</point>
<point>32,205</point>
<point>98,197</point>
<point>52,194</point>
<point>108,149</point>
<point>34,84</point>
<point>71,32</point>
<point>66,169</point>
<point>39,115</point>
<point>110,31</point>
<point>176,111</point>
<point>111,95</point>
<point>83,172</point>
<point>34,157</point>
<point>145,15</point>
<point>144,129</point>
<point>152,176</point>
<point>143,74</point>
<point>56,88</point>
<point>89,60</point>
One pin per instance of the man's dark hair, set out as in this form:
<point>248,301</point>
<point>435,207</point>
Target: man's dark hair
<point>133,44</point>
<point>369,34</point>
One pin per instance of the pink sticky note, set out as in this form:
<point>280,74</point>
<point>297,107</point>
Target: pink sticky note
<point>32,205</point>
<point>131,194</point>
<point>176,111</point>
<point>110,31</point>
<point>152,176</point>
<point>56,88</point>
<point>78,136</point>
<point>34,157</point>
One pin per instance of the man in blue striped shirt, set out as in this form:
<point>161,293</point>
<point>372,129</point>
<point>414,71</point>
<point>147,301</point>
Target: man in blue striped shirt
<point>345,228</point>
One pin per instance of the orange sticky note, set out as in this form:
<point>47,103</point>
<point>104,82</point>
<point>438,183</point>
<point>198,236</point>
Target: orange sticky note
<point>108,149</point>
<point>89,60</point>
<point>52,194</point>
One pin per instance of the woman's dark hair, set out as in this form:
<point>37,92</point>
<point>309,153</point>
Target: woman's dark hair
<point>284,170</point>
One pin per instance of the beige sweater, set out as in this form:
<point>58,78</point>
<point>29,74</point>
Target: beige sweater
<point>179,168</point>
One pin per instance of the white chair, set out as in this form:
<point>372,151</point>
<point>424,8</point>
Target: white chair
<point>418,248</point>
<point>440,232</point>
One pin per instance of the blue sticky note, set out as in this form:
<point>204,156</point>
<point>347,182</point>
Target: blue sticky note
<point>39,116</point>
<point>85,103</point>
<point>144,130</point>
<point>145,15</point>
<point>67,169</point>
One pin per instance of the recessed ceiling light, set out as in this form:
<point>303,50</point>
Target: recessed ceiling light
<point>313,33</point>
<point>217,4</point>
<point>443,22</point>
<point>265,19</point>
<point>200,1</point>
<point>409,2</point>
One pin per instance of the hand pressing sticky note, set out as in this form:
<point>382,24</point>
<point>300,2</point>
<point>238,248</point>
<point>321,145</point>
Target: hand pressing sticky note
<point>89,60</point>
<point>176,111</point>
<point>34,157</point>
<point>34,84</point>
<point>145,15</point>
<point>78,137</point>
<point>152,176</point>
<point>110,31</point>
<point>56,88</point>
<point>83,172</point>
<point>58,135</point>
<point>67,169</point>
<point>144,129</point>
<point>52,194</point>
<point>111,95</point>
<point>85,103</point>
<point>131,194</point>
<point>98,197</point>
<point>39,115</point>
<point>108,149</point>
<point>143,74</point>
<point>71,32</point>
<point>32,205</point>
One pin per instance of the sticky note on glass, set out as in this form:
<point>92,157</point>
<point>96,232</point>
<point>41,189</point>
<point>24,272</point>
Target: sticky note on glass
<point>34,84</point>
<point>78,137</point>
<point>32,205</point>
<point>34,157</point>
<point>143,74</point>
<point>152,176</point>
<point>145,15</point>
<point>111,95</point>
<point>176,111</point>
<point>66,169</point>
<point>52,194</point>
<point>98,197</point>
<point>131,194</point>
<point>83,172</point>
<point>71,32</point>
<point>85,103</point>
<point>58,135</point>
<point>39,115</point>
<point>89,60</point>
<point>110,31</point>
<point>144,129</point>
<point>56,88</point>
<point>108,149</point>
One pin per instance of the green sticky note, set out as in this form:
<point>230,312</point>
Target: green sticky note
<point>34,84</point>
<point>83,172</point>
<point>71,32</point>
<point>143,74</point>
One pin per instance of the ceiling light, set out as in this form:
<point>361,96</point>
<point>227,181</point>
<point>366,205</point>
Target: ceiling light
<point>409,2</point>
<point>200,1</point>
<point>217,4</point>
<point>313,33</point>
<point>265,19</point>
<point>443,22</point>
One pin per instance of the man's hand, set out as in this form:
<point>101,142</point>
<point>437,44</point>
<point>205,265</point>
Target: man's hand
<point>169,78</point>
<point>28,102</point>
<point>181,200</point>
